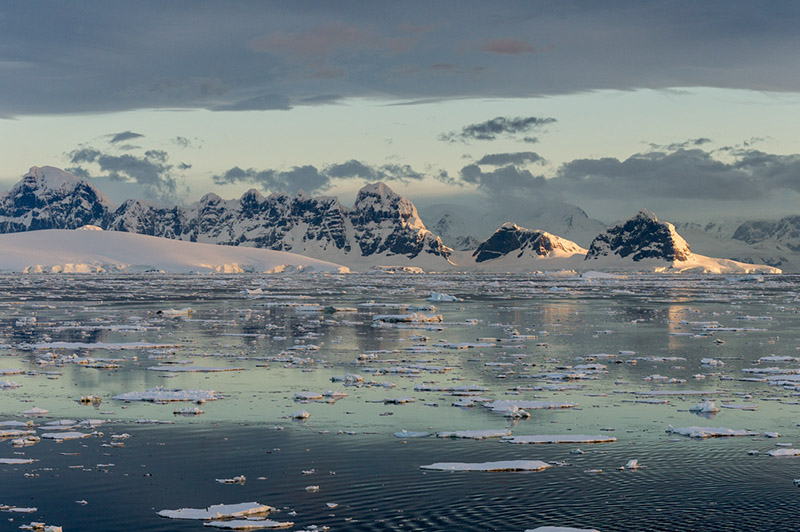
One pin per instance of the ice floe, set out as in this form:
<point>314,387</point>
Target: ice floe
<point>163,395</point>
<point>559,438</point>
<point>218,511</point>
<point>501,465</point>
<point>709,432</point>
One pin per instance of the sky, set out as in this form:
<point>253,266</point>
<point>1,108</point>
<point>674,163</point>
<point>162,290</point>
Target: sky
<point>686,108</point>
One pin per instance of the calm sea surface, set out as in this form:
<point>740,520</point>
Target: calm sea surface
<point>292,333</point>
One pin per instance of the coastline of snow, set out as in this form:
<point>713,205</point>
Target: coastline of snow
<point>77,251</point>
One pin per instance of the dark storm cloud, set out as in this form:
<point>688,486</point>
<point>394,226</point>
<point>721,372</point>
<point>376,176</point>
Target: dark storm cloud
<point>498,127</point>
<point>225,55</point>
<point>307,178</point>
<point>501,181</point>
<point>125,135</point>
<point>517,158</point>
<point>312,180</point>
<point>683,174</point>
<point>151,170</point>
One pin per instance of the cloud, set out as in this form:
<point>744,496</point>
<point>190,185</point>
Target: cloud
<point>303,49</point>
<point>319,42</point>
<point>504,180</point>
<point>313,180</point>
<point>498,127</point>
<point>151,170</point>
<point>517,159</point>
<point>183,142</point>
<point>745,174</point>
<point>690,143</point>
<point>508,47</point>
<point>307,178</point>
<point>125,135</point>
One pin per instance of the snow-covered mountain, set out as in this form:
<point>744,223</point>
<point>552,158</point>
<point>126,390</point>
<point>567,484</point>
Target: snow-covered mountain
<point>385,229</point>
<point>49,198</point>
<point>516,249</point>
<point>93,250</point>
<point>518,242</point>
<point>381,228</point>
<point>647,244</point>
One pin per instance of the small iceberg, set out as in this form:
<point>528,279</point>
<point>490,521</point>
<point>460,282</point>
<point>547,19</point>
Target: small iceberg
<point>218,511</point>
<point>502,465</point>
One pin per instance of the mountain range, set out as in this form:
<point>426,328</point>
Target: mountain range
<point>380,229</point>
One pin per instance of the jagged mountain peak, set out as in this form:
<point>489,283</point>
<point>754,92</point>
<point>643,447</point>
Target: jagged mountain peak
<point>513,240</point>
<point>641,237</point>
<point>644,214</point>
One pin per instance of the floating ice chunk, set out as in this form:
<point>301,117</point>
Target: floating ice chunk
<point>36,411</point>
<point>502,465</point>
<point>398,400</point>
<point>96,345</point>
<point>188,411</point>
<point>7,385</point>
<point>712,362</point>
<point>707,407</point>
<point>709,432</point>
<point>300,414</point>
<point>772,435</point>
<point>15,461</point>
<point>307,396</point>
<point>475,434</point>
<point>632,464</point>
<point>218,511</point>
<point>502,406</point>
<point>41,527</point>
<point>241,479</point>
<point>415,317</point>
<point>175,313</point>
<point>250,524</point>
<point>15,433</point>
<point>784,452</point>
<point>560,438</point>
<point>410,434</point>
<point>312,489</point>
<point>17,509</point>
<point>440,296</point>
<point>192,369</point>
<point>163,395</point>
<point>743,406</point>
<point>61,436</point>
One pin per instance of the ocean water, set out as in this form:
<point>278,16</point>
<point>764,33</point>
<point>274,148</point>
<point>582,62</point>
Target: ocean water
<point>548,324</point>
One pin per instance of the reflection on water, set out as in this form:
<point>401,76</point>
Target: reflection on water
<point>512,335</point>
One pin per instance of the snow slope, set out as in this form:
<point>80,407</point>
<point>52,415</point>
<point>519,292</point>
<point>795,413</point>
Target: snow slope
<point>87,251</point>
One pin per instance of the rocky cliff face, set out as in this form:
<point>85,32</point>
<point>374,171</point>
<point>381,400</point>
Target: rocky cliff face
<point>641,237</point>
